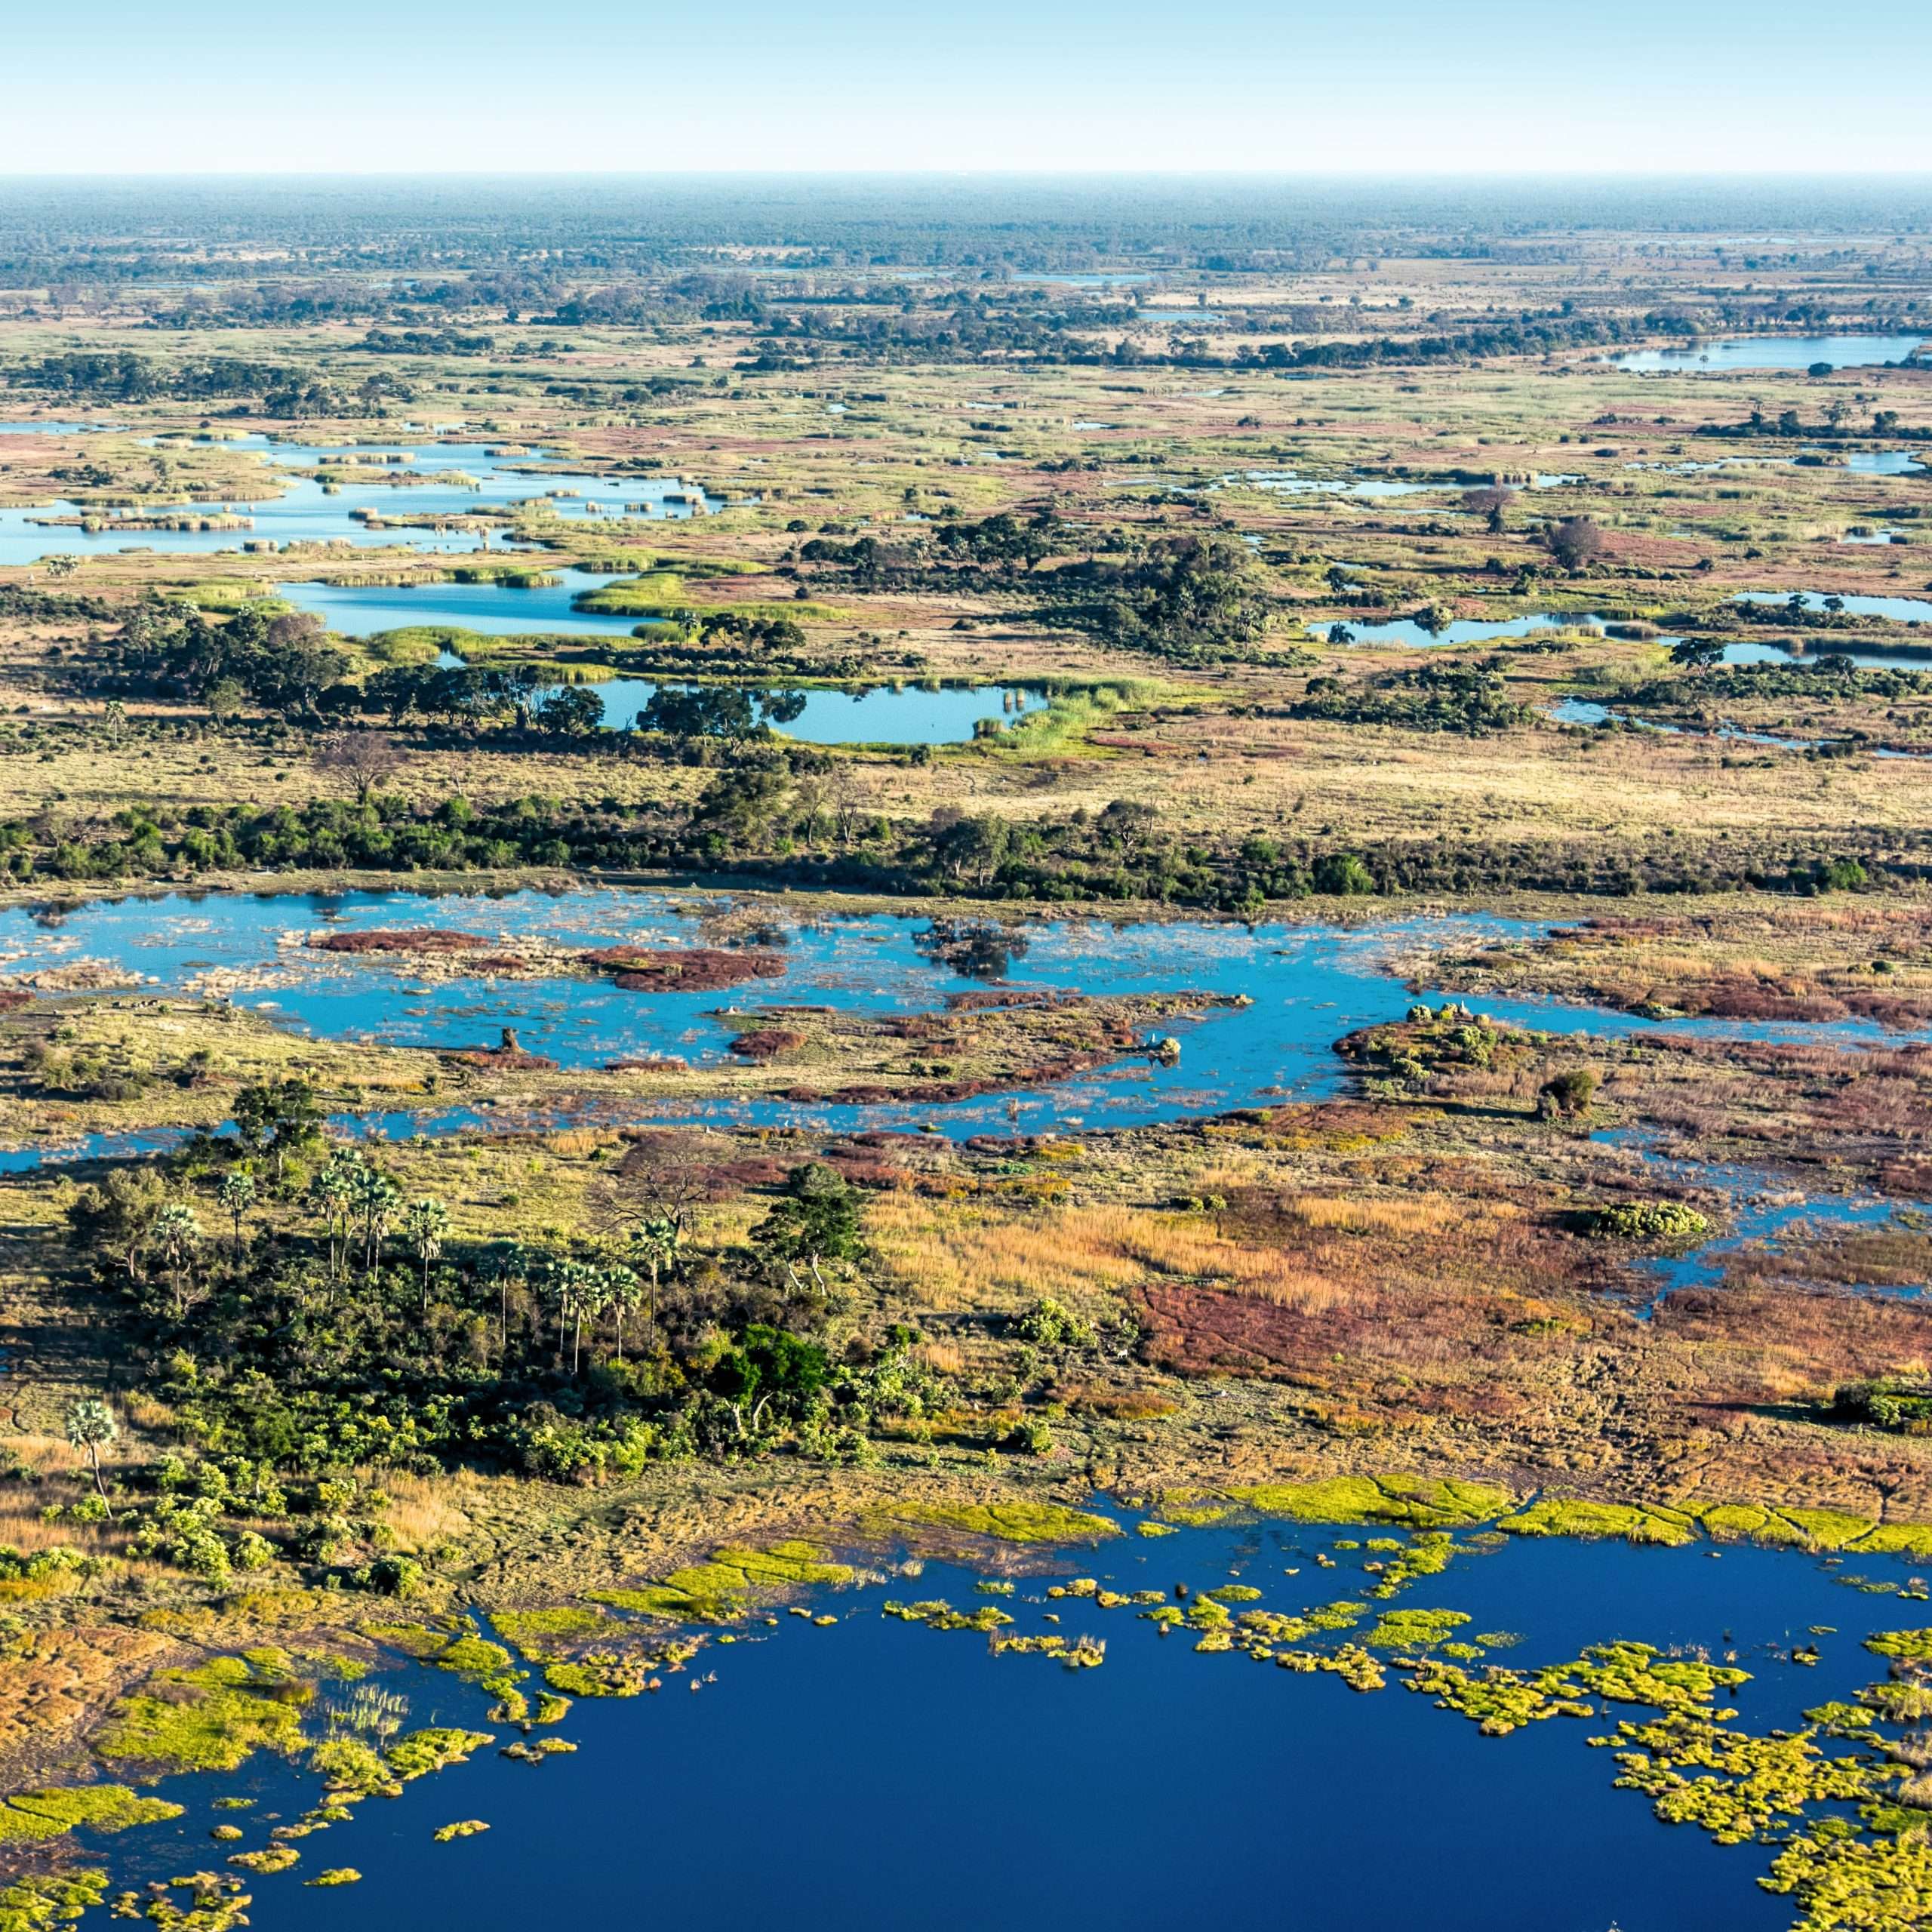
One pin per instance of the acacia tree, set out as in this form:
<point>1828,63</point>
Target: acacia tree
<point>1575,542</point>
<point>364,758</point>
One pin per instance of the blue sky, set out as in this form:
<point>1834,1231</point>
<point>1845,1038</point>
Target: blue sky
<point>1377,87</point>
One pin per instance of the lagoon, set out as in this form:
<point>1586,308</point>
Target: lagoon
<point>1771,352</point>
<point>909,1780</point>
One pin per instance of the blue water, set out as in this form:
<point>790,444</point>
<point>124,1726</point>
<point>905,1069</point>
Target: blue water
<point>493,610</point>
<point>1309,985</point>
<point>1903,610</point>
<point>1287,483</point>
<point>908,714</point>
<point>1762,352</point>
<point>1885,463</point>
<point>1405,631</point>
<point>1826,645</point>
<point>302,512</point>
<point>875,1776</point>
<point>50,429</point>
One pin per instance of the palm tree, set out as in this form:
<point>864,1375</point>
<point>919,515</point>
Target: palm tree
<point>91,1426</point>
<point>622,1292</point>
<point>423,1227</point>
<point>176,1234</point>
<point>331,1192</point>
<point>656,1242</point>
<point>374,1198</point>
<point>504,1266</point>
<point>237,1194</point>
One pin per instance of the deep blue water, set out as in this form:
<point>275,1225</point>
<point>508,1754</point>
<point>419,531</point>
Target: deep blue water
<point>876,1774</point>
<point>1758,352</point>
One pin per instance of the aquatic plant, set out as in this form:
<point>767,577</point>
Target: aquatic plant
<point>341,1875</point>
<point>1569,1516</point>
<point>464,1828</point>
<point>30,1815</point>
<point>1413,1629</point>
<point>1008,1522</point>
<point>1421,1502</point>
<point>1848,1884</point>
<point>39,1902</point>
<point>1756,1784</point>
<point>211,1717</point>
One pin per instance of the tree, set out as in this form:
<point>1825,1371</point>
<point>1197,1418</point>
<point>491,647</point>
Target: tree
<point>1699,653</point>
<point>374,1199</point>
<point>1567,1095</point>
<point>424,1226</point>
<point>332,1193</point>
<point>574,712</point>
<point>237,1194</point>
<point>364,758</point>
<point>817,1220</point>
<point>1575,542</point>
<point>176,1236</point>
<point>767,1367</point>
<point>1489,504</point>
<point>656,1241</point>
<point>274,1115</point>
<point>91,1427</point>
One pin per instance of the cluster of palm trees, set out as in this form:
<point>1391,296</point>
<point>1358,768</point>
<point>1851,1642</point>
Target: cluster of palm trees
<point>361,1207</point>
<point>362,1210</point>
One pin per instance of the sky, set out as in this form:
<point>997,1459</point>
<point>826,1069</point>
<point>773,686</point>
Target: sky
<point>1363,87</point>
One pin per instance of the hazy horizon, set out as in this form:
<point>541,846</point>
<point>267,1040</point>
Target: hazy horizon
<point>1398,87</point>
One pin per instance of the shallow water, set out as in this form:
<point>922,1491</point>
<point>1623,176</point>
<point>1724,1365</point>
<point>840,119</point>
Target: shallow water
<point>883,715</point>
<point>1406,631</point>
<point>1310,985</point>
<point>490,609</point>
<point>1905,610</point>
<point>879,1774</point>
<point>303,513</point>
<point>1756,351</point>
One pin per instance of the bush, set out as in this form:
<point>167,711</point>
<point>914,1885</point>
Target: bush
<point>1567,1095</point>
<point>1647,1221</point>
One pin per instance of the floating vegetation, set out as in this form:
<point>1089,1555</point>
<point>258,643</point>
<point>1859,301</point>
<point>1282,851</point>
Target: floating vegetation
<point>30,1815</point>
<point>1840,1880</point>
<point>937,1614</point>
<point>38,1903</point>
<point>1757,1785</point>
<point>1414,1629</point>
<point>463,1827</point>
<point>1008,1522</point>
<point>212,1717</point>
<point>341,1875</point>
<point>216,1903</point>
<point>1500,1701</point>
<point>272,1858</point>
<point>1081,1653</point>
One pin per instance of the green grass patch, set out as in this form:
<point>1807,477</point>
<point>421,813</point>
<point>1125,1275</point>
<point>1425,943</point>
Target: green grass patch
<point>31,1815</point>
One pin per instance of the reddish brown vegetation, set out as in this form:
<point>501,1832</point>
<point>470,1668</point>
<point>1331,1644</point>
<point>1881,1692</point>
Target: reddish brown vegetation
<point>699,969</point>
